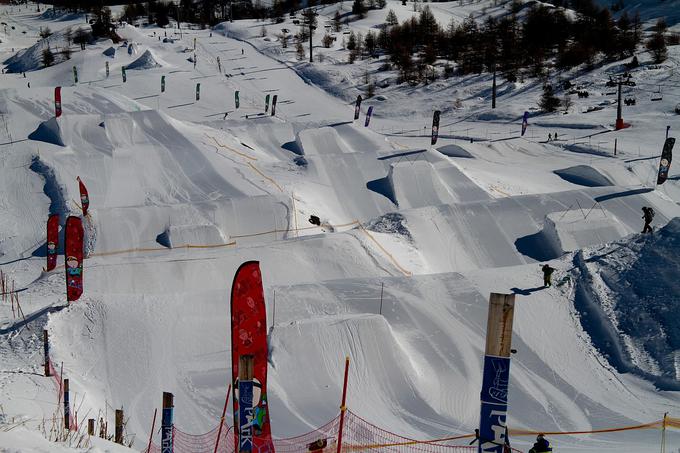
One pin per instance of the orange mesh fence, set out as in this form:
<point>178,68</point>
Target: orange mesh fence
<point>358,435</point>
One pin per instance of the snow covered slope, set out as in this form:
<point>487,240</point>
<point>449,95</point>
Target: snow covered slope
<point>412,239</point>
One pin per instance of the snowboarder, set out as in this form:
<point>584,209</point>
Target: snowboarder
<point>549,137</point>
<point>541,445</point>
<point>547,275</point>
<point>555,136</point>
<point>648,216</point>
<point>242,52</point>
<point>225,115</point>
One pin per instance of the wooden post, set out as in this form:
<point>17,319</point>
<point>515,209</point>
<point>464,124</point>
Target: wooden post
<point>67,424</point>
<point>118,437</point>
<point>224,411</point>
<point>615,143</point>
<point>499,324</point>
<point>496,376</point>
<point>343,407</point>
<point>90,427</point>
<point>46,348</point>
<point>167,441</point>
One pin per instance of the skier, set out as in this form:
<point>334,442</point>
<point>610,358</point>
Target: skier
<point>242,52</point>
<point>541,445</point>
<point>648,216</point>
<point>547,275</point>
<point>555,136</point>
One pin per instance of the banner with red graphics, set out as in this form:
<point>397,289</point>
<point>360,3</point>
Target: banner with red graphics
<point>252,430</point>
<point>57,102</point>
<point>73,255</point>
<point>52,241</point>
<point>84,198</point>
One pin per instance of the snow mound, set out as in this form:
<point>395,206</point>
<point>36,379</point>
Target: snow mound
<point>110,52</point>
<point>49,132</point>
<point>453,151</point>
<point>630,303</point>
<point>30,59</point>
<point>567,231</point>
<point>583,175</point>
<point>146,61</point>
<point>181,235</point>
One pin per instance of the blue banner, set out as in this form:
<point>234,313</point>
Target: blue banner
<point>166,431</point>
<point>494,398</point>
<point>525,122</point>
<point>245,416</point>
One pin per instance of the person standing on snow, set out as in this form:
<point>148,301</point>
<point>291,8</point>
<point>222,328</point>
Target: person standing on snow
<point>547,275</point>
<point>648,216</point>
<point>541,445</point>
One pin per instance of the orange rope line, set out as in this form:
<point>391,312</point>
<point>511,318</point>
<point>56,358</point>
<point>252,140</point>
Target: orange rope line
<point>389,255</point>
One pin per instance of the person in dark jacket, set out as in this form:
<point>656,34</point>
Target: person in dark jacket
<point>541,445</point>
<point>547,275</point>
<point>648,216</point>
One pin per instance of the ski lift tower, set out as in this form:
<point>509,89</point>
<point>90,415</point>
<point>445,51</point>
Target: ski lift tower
<point>620,81</point>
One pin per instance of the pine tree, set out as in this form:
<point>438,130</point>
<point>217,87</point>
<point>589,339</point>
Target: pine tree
<point>391,18</point>
<point>359,8</point>
<point>549,102</point>
<point>47,57</point>
<point>656,44</point>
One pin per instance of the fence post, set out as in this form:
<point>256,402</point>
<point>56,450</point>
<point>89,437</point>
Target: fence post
<point>343,407</point>
<point>167,441</point>
<point>90,427</point>
<point>153,425</point>
<point>615,143</point>
<point>46,348</point>
<point>67,424</point>
<point>118,436</point>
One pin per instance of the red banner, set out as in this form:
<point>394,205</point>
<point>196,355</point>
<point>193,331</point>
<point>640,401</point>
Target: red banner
<point>57,102</point>
<point>73,254</point>
<point>52,241</point>
<point>249,339</point>
<point>84,199</point>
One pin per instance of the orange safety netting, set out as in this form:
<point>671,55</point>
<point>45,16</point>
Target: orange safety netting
<point>358,435</point>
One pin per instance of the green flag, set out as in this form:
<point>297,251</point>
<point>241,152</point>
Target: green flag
<point>124,75</point>
<point>236,99</point>
<point>266,104</point>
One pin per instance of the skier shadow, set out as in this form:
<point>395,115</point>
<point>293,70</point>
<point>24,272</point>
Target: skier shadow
<point>527,291</point>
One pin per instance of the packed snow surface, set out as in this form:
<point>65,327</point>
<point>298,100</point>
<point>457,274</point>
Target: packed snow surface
<point>411,241</point>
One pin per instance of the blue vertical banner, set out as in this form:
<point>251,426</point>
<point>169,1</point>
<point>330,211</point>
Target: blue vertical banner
<point>245,416</point>
<point>525,123</point>
<point>494,398</point>
<point>368,116</point>
<point>67,408</point>
<point>167,441</point>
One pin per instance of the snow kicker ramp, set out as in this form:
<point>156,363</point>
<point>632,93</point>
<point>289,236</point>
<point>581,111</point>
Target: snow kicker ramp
<point>509,231</point>
<point>417,366</point>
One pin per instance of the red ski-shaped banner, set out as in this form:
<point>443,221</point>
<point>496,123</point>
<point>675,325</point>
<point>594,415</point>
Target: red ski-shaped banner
<point>84,198</point>
<point>57,102</point>
<point>52,241</point>
<point>252,430</point>
<point>73,253</point>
